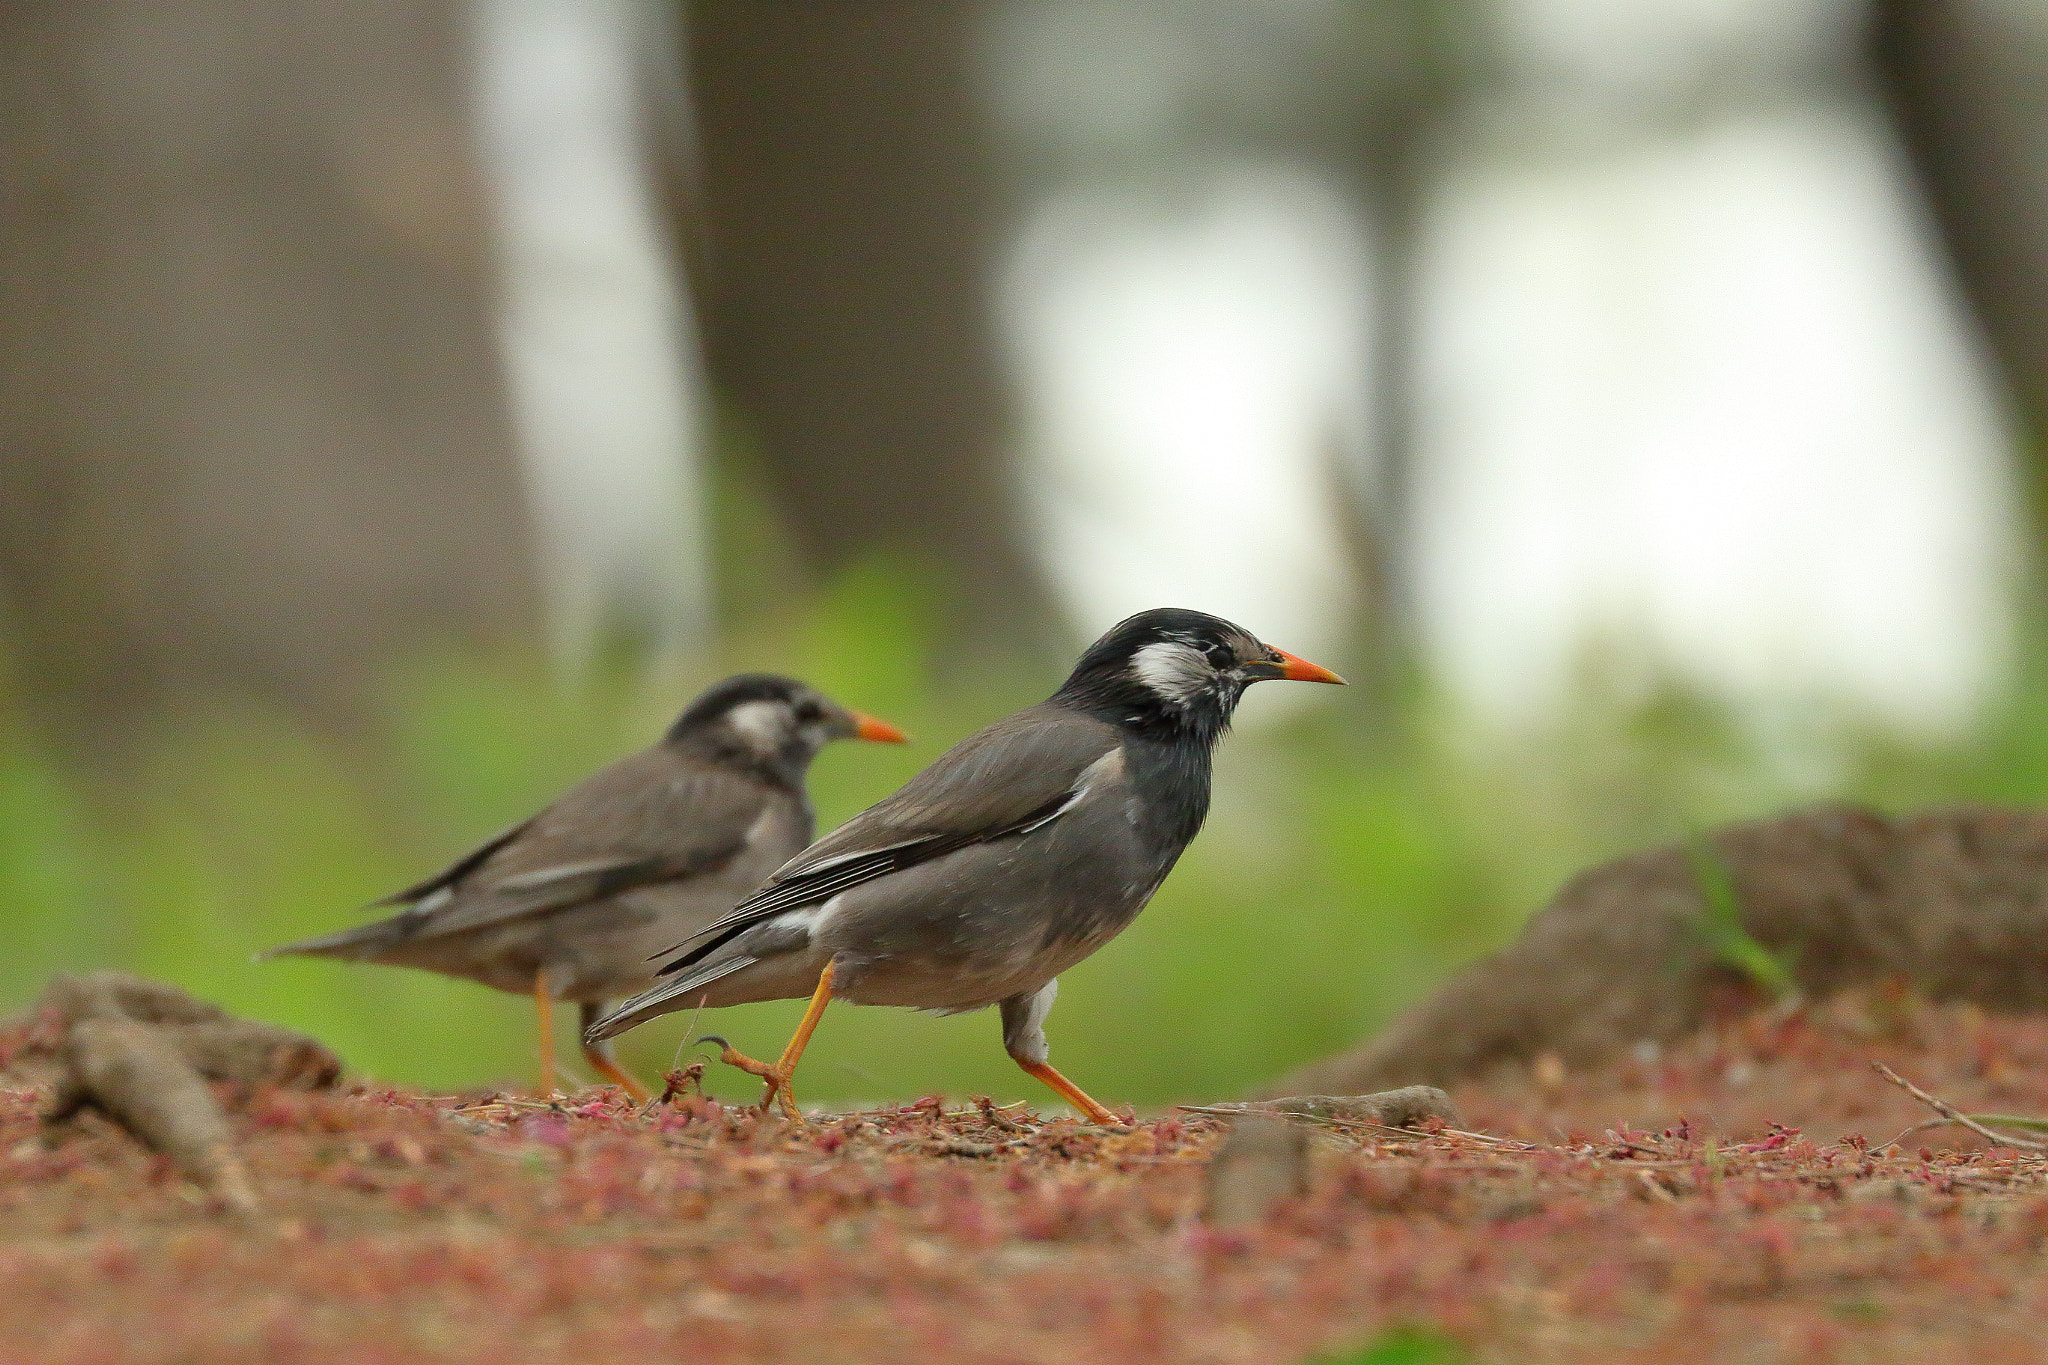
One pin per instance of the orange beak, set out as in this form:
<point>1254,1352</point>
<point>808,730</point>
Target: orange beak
<point>881,731</point>
<point>1297,669</point>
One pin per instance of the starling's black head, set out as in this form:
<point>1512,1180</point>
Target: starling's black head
<point>768,721</point>
<point>1172,669</point>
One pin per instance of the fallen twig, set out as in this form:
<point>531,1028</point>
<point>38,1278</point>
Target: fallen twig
<point>995,1117</point>
<point>1458,1135</point>
<point>675,1084</point>
<point>1411,1107</point>
<point>955,1146</point>
<point>1655,1188</point>
<point>1951,1114</point>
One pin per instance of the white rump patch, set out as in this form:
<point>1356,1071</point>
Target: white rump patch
<point>1172,670</point>
<point>809,918</point>
<point>761,725</point>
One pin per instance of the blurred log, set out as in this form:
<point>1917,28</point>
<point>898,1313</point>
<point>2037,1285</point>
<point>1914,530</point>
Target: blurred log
<point>141,1052</point>
<point>1967,82</point>
<point>137,1079</point>
<point>253,442</point>
<point>848,225</point>
<point>1953,903</point>
<point>212,1042</point>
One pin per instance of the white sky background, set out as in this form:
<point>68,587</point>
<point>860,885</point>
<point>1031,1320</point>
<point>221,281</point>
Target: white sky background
<point>1193,373</point>
<point>1703,395</point>
<point>1189,329</point>
<point>1692,379</point>
<point>1690,376</point>
<point>593,321</point>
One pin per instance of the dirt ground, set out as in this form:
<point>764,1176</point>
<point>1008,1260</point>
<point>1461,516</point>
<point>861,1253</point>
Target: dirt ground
<point>1724,1198</point>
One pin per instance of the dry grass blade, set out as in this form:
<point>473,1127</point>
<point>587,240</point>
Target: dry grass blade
<point>1457,1135</point>
<point>1951,1114</point>
<point>994,1117</point>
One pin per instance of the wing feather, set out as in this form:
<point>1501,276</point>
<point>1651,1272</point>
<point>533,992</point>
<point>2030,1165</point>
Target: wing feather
<point>644,820</point>
<point>448,876</point>
<point>1009,779</point>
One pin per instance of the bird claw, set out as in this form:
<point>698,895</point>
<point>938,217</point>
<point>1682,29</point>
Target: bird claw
<point>732,1056</point>
<point>777,1078</point>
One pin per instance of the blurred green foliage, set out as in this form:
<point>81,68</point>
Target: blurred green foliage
<point>1402,1346</point>
<point>1359,849</point>
<point>1721,927</point>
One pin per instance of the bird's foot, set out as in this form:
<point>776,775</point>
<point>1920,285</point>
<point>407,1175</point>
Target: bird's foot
<point>778,1077</point>
<point>1074,1095</point>
<point>618,1075</point>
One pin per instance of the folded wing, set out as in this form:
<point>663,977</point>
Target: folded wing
<point>640,822</point>
<point>1007,780</point>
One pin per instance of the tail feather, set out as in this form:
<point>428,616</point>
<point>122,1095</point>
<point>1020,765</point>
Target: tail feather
<point>360,944</point>
<point>661,999</point>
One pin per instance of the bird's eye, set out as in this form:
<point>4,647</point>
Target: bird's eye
<point>809,712</point>
<point>1219,656</point>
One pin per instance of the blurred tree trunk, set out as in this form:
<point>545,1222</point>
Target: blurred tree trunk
<point>1967,81</point>
<point>1416,64</point>
<point>252,436</point>
<point>849,219</point>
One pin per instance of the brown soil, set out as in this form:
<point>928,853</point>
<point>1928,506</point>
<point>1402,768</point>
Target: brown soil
<point>1650,1210</point>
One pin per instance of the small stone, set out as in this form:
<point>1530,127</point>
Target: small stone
<point>1262,1164</point>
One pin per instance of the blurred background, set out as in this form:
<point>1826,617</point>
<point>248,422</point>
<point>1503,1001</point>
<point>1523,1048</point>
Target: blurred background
<point>406,405</point>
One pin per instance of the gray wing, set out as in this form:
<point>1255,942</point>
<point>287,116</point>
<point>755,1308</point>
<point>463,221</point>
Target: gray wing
<point>651,817</point>
<point>455,871</point>
<point>1009,779</point>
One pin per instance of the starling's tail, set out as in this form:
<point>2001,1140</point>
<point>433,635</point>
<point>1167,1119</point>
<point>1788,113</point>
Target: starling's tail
<point>669,995</point>
<point>365,943</point>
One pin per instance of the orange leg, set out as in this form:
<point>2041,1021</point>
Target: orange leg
<point>779,1075</point>
<point>544,1010</point>
<point>1071,1093</point>
<point>599,1055</point>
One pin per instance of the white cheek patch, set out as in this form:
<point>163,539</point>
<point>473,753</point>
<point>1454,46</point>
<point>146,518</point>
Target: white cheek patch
<point>1174,671</point>
<point>761,725</point>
